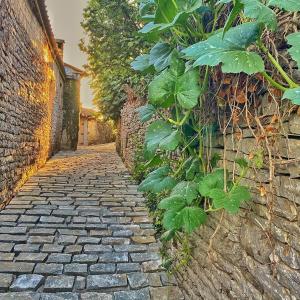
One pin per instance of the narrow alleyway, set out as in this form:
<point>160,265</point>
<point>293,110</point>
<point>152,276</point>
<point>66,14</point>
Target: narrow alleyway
<point>80,230</point>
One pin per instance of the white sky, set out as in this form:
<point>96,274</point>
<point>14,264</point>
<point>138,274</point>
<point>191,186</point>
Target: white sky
<point>65,17</point>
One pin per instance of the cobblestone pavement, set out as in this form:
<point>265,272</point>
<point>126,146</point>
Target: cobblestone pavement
<point>79,229</point>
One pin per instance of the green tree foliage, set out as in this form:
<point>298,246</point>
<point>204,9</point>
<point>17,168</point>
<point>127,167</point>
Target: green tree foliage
<point>112,42</point>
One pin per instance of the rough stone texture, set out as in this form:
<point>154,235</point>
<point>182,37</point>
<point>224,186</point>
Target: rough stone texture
<point>31,86</point>
<point>60,255</point>
<point>255,254</point>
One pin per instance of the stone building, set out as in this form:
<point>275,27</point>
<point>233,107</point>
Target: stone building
<point>32,80</point>
<point>92,130</point>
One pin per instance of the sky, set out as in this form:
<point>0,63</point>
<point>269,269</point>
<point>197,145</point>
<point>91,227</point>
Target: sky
<point>65,17</point>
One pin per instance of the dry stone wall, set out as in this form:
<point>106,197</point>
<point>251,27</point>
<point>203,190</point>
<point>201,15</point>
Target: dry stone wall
<point>256,253</point>
<point>31,86</point>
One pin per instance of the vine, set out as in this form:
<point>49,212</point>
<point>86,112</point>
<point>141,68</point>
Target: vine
<point>213,61</point>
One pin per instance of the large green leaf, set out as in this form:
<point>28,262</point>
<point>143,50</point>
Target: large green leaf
<point>293,95</point>
<point>141,63</point>
<point>232,200</point>
<point>174,203</point>
<point>289,5</point>
<point>188,89</point>
<point>169,220</point>
<point>190,218</point>
<point>161,89</point>
<point>230,51</point>
<point>166,11</point>
<point>211,181</point>
<point>160,134</point>
<point>146,112</point>
<point>158,181</point>
<point>160,56</point>
<point>294,40</point>
<point>254,9</point>
<point>187,190</point>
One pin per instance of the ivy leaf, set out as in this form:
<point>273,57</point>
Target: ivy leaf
<point>146,112</point>
<point>161,90</point>
<point>254,9</point>
<point>188,89</point>
<point>230,51</point>
<point>187,190</point>
<point>211,181</point>
<point>158,181</point>
<point>161,134</point>
<point>294,40</point>
<point>190,218</point>
<point>175,203</point>
<point>289,5</point>
<point>293,95</point>
<point>160,56</point>
<point>142,63</point>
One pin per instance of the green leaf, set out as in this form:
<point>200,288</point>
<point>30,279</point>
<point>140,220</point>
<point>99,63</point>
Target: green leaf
<point>168,235</point>
<point>294,40</point>
<point>254,9</point>
<point>175,203</point>
<point>190,218</point>
<point>158,181</point>
<point>237,8</point>
<point>187,190</point>
<point>151,26</point>
<point>211,181</point>
<point>145,5</point>
<point>220,198</point>
<point>193,169</point>
<point>146,112</point>
<point>293,95</point>
<point>230,51</point>
<point>171,142</point>
<point>169,220</point>
<point>188,89</point>
<point>142,63</point>
<point>160,56</point>
<point>289,5</point>
<point>160,134</point>
<point>153,162</point>
<point>166,11</point>
<point>242,162</point>
<point>161,90</point>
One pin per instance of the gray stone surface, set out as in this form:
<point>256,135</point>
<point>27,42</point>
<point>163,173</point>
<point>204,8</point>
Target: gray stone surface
<point>134,295</point>
<point>28,282</point>
<point>59,283</point>
<point>106,281</point>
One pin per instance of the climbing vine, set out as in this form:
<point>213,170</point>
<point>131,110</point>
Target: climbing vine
<point>207,53</point>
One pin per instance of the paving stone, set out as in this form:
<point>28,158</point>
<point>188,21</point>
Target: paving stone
<point>13,238</point>
<point>115,241</point>
<point>67,239</point>
<point>28,282</point>
<point>128,267</point>
<point>142,294</point>
<point>41,239</point>
<point>123,233</point>
<point>9,218</point>
<point>88,240</point>
<point>152,266</point>
<point>16,267</point>
<point>31,257</point>
<point>61,283</point>
<point>59,296</point>
<point>73,249</point>
<point>42,231</point>
<point>130,248</point>
<point>106,281</point>
<point>142,257</point>
<point>85,258</point>
<point>33,248</point>
<point>75,269</point>
<point>5,281</point>
<point>102,268</point>
<point>138,280</point>
<point>49,269</point>
<point>143,239</point>
<point>28,219</point>
<point>52,248</point>
<point>6,247</point>
<point>59,258</point>
<point>13,230</point>
<point>96,296</point>
<point>80,283</point>
<point>97,248</point>
<point>113,257</point>
<point>20,296</point>
<point>100,233</point>
<point>7,256</point>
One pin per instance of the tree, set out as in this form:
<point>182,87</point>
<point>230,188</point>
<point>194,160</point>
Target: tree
<point>112,43</point>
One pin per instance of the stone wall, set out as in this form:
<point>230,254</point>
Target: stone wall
<point>131,132</point>
<point>31,84</point>
<point>256,253</point>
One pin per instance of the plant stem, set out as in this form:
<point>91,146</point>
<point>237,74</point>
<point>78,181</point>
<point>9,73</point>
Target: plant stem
<point>273,82</point>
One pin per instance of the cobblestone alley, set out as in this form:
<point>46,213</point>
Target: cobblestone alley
<point>80,230</point>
